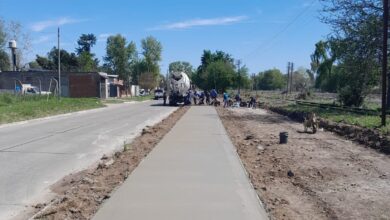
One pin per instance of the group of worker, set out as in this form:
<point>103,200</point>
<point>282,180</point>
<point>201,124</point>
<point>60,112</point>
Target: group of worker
<point>201,98</point>
<point>227,101</point>
<point>210,98</point>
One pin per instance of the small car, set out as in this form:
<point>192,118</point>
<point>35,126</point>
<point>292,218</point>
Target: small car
<point>158,94</point>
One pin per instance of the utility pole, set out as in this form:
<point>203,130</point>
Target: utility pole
<point>291,76</point>
<point>384,59</point>
<point>239,76</point>
<point>258,74</point>
<point>59,65</point>
<point>253,81</point>
<point>288,78</point>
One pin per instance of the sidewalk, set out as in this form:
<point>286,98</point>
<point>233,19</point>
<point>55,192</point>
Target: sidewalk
<point>193,173</point>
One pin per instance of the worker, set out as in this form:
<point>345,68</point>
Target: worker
<point>213,95</point>
<point>195,96</point>
<point>207,94</point>
<point>201,98</point>
<point>225,99</point>
<point>251,102</point>
<point>187,99</point>
<point>238,100</point>
<point>165,97</point>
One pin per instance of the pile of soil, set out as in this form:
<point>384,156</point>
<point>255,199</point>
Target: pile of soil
<point>366,136</point>
<point>314,176</point>
<point>81,194</point>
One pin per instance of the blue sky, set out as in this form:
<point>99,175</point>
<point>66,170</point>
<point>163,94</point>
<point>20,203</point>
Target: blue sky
<point>262,33</point>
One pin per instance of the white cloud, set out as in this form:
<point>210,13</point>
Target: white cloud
<point>201,22</point>
<point>42,39</point>
<point>103,37</point>
<point>42,25</point>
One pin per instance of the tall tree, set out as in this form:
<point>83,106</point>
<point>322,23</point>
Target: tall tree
<point>86,59</point>
<point>152,50</point>
<point>219,75</point>
<point>356,28</point>
<point>85,42</point>
<point>120,56</point>
<point>217,70</point>
<point>17,32</point>
<point>241,78</point>
<point>322,61</point>
<point>4,59</point>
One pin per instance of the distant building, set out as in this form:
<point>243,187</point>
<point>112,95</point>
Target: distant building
<point>73,84</point>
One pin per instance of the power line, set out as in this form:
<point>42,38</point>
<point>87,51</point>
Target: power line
<point>274,37</point>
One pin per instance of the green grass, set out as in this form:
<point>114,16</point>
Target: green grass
<point>138,98</point>
<point>366,121</point>
<point>18,108</point>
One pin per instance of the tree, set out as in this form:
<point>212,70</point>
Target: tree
<point>85,42</point>
<point>241,78</point>
<point>217,70</point>
<point>152,50</point>
<point>86,59</point>
<point>147,80</point>
<point>219,75</point>
<point>357,35</point>
<point>4,59</point>
<point>45,63</point>
<point>34,65</point>
<point>69,61</point>
<point>323,59</point>
<point>119,56</point>
<point>181,66</point>
<point>87,62</point>
<point>301,79</point>
<point>271,80</point>
<point>16,32</point>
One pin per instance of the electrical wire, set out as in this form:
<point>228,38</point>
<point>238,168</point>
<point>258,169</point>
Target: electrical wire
<point>275,36</point>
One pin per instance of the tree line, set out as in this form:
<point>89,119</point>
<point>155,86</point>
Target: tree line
<point>221,71</point>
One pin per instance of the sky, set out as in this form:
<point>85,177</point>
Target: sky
<point>263,34</point>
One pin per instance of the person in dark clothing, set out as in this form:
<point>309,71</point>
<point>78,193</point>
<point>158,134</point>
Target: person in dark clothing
<point>213,95</point>
<point>195,97</point>
<point>252,102</point>
<point>201,98</point>
<point>165,97</point>
<point>187,99</point>
<point>207,95</point>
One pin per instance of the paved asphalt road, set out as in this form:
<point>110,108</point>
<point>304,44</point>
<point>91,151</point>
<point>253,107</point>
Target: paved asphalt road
<point>194,173</point>
<point>36,154</point>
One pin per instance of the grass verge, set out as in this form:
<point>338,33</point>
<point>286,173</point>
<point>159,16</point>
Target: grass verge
<point>339,116</point>
<point>15,108</point>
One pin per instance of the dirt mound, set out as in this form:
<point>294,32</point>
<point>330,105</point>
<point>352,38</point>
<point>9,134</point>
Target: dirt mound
<point>81,194</point>
<point>314,176</point>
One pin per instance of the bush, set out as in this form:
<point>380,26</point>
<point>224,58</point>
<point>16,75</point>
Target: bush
<point>350,96</point>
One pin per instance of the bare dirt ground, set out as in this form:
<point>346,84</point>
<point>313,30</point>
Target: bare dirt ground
<point>314,176</point>
<point>81,194</point>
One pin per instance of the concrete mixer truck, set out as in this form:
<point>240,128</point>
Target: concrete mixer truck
<point>178,86</point>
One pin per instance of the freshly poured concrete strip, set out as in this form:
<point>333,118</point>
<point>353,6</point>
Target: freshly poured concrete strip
<point>193,173</point>
<point>37,153</point>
